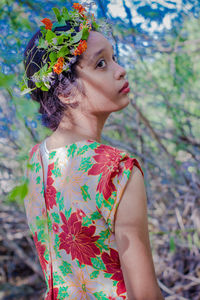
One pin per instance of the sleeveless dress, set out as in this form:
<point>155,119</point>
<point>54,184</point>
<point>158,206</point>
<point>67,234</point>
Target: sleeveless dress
<point>70,212</point>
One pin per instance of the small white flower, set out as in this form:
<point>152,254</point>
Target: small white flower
<point>46,83</point>
<point>35,78</point>
<point>73,60</point>
<point>54,40</point>
<point>66,66</point>
<point>47,77</point>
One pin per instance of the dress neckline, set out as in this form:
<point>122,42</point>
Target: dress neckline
<point>67,146</point>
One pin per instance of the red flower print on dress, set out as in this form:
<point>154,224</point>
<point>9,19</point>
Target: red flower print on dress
<point>33,150</point>
<point>80,214</point>
<point>55,227</point>
<point>50,168</point>
<point>53,291</point>
<point>40,250</point>
<point>52,294</point>
<point>77,239</point>
<point>108,159</point>
<point>113,266</point>
<point>128,162</point>
<point>50,194</point>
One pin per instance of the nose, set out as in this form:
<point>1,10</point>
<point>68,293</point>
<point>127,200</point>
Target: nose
<point>120,72</point>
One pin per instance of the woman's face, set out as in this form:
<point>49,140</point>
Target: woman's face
<point>102,77</point>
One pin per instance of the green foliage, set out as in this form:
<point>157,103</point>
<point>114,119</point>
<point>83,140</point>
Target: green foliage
<point>49,36</point>
<point>65,13</point>
<point>172,244</point>
<point>57,13</point>
<point>166,89</point>
<point>18,193</point>
<point>6,80</point>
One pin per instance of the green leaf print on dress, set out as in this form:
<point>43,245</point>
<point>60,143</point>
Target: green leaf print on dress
<point>85,194</point>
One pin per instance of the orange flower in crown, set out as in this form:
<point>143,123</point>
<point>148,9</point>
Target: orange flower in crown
<point>48,24</point>
<point>79,7</point>
<point>81,48</point>
<point>58,68</point>
<point>88,25</point>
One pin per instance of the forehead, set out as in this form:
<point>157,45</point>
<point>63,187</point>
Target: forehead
<point>95,42</point>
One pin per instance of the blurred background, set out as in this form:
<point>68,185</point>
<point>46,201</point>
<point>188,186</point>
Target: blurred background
<point>158,42</point>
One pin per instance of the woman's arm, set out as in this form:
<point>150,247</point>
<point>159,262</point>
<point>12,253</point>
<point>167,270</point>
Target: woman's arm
<point>132,237</point>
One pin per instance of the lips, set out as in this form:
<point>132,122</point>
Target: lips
<point>126,84</point>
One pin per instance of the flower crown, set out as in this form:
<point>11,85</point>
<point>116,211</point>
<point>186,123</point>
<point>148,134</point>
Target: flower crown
<point>59,47</point>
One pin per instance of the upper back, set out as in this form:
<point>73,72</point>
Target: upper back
<point>74,219</point>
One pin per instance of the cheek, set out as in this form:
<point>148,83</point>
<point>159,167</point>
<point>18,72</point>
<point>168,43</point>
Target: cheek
<point>99,84</point>
<point>103,92</point>
<point>102,85</point>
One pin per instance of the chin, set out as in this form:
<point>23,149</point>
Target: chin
<point>122,104</point>
<point>125,101</point>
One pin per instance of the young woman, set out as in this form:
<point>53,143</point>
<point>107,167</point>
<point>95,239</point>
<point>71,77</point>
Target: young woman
<point>86,205</point>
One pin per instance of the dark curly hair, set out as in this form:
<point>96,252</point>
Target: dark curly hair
<point>51,108</point>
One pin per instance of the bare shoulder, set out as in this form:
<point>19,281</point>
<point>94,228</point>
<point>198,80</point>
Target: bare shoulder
<point>132,208</point>
<point>132,238</point>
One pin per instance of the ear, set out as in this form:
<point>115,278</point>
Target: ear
<point>65,99</point>
<point>72,99</point>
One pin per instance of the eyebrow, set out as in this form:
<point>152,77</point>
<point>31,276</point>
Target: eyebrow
<point>96,54</point>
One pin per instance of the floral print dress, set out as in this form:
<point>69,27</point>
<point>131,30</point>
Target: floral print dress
<point>72,222</point>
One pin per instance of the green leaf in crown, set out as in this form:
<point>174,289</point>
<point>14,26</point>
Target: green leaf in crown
<point>57,13</point>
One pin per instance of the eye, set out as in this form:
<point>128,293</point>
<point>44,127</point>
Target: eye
<point>115,57</point>
<point>103,60</point>
<point>98,65</point>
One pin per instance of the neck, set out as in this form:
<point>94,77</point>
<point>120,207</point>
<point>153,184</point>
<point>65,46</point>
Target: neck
<point>79,128</point>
